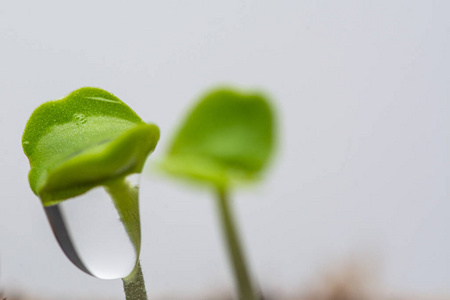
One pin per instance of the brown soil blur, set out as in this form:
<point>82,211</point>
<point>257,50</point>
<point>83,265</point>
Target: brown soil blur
<point>350,282</point>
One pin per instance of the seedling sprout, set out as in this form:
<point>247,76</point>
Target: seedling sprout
<point>87,140</point>
<point>226,140</point>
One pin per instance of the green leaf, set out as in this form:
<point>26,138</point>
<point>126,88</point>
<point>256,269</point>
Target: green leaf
<point>84,140</point>
<point>228,137</point>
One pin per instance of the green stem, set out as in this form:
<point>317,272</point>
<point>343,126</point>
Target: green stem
<point>126,200</point>
<point>134,285</point>
<point>235,253</point>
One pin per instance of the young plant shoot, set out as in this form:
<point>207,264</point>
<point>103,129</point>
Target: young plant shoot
<point>227,139</point>
<point>90,139</point>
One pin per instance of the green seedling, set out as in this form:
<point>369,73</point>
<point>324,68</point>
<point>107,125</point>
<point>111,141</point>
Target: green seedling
<point>226,140</point>
<point>86,140</point>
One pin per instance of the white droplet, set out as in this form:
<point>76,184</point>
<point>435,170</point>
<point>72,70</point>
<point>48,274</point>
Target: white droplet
<point>89,230</point>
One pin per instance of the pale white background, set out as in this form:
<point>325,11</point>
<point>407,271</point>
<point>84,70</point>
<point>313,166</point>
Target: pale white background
<point>362,92</point>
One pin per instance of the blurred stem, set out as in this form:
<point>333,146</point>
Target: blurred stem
<point>235,253</point>
<point>134,285</point>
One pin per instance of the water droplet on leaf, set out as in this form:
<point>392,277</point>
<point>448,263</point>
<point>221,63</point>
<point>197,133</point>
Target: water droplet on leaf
<point>91,233</point>
<point>80,119</point>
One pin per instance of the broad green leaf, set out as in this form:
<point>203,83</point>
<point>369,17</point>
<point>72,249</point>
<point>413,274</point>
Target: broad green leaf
<point>228,137</point>
<point>87,139</point>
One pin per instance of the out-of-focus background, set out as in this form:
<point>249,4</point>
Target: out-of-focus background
<point>361,173</point>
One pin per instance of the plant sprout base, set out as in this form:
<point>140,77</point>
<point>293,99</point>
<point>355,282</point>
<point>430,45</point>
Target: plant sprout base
<point>134,285</point>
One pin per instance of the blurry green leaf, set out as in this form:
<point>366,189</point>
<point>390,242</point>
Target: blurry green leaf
<point>84,140</point>
<point>228,137</point>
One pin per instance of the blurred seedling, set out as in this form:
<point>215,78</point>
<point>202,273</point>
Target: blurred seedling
<point>226,140</point>
<point>92,142</point>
